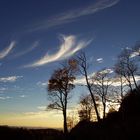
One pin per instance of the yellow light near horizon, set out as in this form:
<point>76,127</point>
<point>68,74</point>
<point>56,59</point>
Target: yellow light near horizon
<point>40,119</point>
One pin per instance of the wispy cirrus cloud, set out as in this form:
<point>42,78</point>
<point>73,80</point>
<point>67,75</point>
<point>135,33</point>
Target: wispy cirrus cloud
<point>9,79</point>
<point>31,48</point>
<point>82,81</point>
<point>68,47</point>
<point>108,70</point>
<point>7,50</point>
<point>4,98</point>
<point>135,53</point>
<point>3,89</point>
<point>42,84</point>
<point>75,14</point>
<point>115,81</point>
<point>99,60</point>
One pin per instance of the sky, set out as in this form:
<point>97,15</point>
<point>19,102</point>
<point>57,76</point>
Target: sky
<point>37,35</point>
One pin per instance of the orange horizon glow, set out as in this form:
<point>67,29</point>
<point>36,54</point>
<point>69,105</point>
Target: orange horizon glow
<point>38,119</point>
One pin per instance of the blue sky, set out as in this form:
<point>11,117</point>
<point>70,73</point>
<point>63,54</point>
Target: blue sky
<point>36,36</point>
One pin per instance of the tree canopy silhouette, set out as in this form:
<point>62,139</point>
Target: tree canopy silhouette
<point>59,87</point>
<point>83,68</point>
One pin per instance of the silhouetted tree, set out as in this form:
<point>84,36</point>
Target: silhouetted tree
<point>71,120</point>
<point>127,67</point>
<point>86,106</point>
<point>83,68</point>
<point>101,84</point>
<point>59,87</point>
<point>119,89</point>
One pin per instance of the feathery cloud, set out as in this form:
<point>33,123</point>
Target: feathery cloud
<point>7,50</point>
<point>75,14</point>
<point>68,47</point>
<point>34,46</point>
<point>9,79</point>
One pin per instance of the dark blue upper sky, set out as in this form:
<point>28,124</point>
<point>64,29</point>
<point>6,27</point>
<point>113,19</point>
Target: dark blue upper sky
<point>36,35</point>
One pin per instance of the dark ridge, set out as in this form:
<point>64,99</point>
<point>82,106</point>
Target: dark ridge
<point>118,125</point>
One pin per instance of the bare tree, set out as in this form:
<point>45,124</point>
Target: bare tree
<point>86,107</point>
<point>102,81</point>
<point>72,119</point>
<point>59,87</point>
<point>83,68</point>
<point>126,66</point>
<point>119,89</point>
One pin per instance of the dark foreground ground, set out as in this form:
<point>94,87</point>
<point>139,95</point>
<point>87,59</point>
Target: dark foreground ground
<point>12,133</point>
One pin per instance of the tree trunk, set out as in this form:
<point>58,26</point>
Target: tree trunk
<point>93,99</point>
<point>84,67</point>
<point>104,109</point>
<point>65,122</point>
<point>135,83</point>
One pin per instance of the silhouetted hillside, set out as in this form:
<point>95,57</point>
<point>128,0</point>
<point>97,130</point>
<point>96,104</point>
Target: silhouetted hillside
<point>130,106</point>
<point>119,125</point>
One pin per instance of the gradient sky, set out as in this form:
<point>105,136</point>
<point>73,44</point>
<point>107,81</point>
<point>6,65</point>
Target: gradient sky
<point>37,35</point>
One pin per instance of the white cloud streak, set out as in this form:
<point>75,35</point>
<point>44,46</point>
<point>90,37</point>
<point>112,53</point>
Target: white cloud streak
<point>9,79</point>
<point>7,50</point>
<point>99,60</point>
<point>43,108</point>
<point>42,84</point>
<point>68,47</point>
<point>114,82</point>
<point>134,54</point>
<point>22,96</point>
<point>107,71</point>
<point>118,83</point>
<point>31,48</point>
<point>3,89</point>
<point>4,98</point>
<point>82,81</point>
<point>75,14</point>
